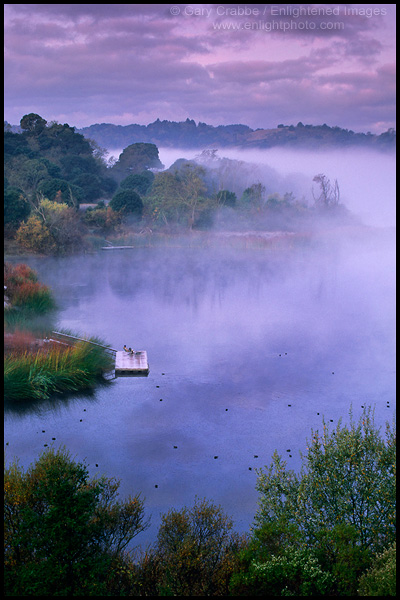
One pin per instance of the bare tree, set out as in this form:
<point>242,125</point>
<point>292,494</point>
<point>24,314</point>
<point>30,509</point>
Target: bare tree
<point>329,195</point>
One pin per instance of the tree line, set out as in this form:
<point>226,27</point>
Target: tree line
<point>51,170</point>
<point>328,530</point>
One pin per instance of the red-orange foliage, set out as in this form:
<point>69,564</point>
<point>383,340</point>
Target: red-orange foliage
<point>22,285</point>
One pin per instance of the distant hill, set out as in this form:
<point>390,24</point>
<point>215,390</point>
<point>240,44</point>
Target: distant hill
<point>186,134</point>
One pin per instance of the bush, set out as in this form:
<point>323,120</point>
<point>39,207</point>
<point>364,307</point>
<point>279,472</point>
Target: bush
<point>139,182</point>
<point>196,551</point>
<point>380,579</point>
<point>341,506</point>
<point>53,228</point>
<point>34,235</point>
<point>63,530</point>
<point>16,208</point>
<point>127,201</point>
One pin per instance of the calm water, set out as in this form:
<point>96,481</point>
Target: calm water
<point>245,349</point>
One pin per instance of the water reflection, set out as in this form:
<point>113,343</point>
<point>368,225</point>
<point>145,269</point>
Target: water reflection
<point>247,351</point>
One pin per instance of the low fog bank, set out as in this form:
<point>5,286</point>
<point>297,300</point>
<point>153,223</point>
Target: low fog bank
<point>366,178</point>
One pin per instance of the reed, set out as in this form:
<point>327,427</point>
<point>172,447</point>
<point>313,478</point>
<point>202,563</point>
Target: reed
<point>41,374</point>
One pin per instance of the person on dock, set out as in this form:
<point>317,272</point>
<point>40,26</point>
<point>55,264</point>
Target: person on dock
<point>125,348</point>
<point>131,352</point>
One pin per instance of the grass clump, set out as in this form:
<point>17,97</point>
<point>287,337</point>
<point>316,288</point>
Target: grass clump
<point>24,291</point>
<point>55,370</point>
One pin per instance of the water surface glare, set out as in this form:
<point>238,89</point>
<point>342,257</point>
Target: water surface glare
<point>248,350</point>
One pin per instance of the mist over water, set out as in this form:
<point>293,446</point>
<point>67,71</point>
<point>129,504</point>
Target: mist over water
<point>248,348</point>
<point>367,178</point>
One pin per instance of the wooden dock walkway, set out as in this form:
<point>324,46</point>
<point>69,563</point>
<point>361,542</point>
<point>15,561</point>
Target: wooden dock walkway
<point>131,364</point>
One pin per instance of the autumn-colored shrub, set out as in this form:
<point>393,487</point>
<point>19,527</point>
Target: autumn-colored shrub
<point>24,290</point>
<point>34,235</point>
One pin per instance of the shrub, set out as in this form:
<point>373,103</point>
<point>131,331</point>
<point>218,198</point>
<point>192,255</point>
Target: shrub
<point>63,530</point>
<point>127,201</point>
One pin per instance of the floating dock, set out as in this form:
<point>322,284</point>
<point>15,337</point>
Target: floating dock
<point>131,364</point>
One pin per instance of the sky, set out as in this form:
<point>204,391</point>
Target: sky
<point>256,64</point>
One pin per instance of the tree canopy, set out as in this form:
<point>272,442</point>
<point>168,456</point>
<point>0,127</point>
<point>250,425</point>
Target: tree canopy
<point>341,507</point>
<point>64,529</point>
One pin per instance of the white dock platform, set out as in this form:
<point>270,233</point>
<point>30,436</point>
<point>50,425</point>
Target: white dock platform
<point>131,364</point>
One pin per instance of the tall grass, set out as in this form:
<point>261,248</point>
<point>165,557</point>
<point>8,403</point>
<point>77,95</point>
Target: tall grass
<point>24,291</point>
<point>41,374</point>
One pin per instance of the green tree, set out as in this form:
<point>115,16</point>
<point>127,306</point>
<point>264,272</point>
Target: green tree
<point>380,579</point>
<point>90,184</point>
<point>226,198</point>
<point>135,159</point>
<point>127,201</point>
<point>293,572</point>
<point>176,197</point>
<point>16,208</point>
<point>63,529</point>
<point>253,196</point>
<point>139,182</point>
<point>26,174</point>
<point>71,194</point>
<point>33,123</point>
<point>196,551</point>
<point>342,505</point>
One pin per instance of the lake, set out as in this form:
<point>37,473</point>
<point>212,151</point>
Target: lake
<point>248,350</point>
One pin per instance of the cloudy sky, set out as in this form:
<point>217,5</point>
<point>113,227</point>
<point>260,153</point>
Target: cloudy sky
<point>256,64</point>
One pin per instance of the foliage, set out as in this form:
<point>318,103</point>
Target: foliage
<point>253,196</point>
<point>136,158</point>
<point>90,184</point>
<point>71,194</point>
<point>293,572</point>
<point>139,182</point>
<point>195,552</point>
<point>33,123</point>
<point>64,530</point>
<point>34,235</point>
<point>53,227</point>
<point>127,201</point>
<point>342,505</point>
<point>226,198</point>
<point>55,368</point>
<point>45,155</point>
<point>16,208</point>
<point>380,579</point>
<point>103,218</point>
<point>176,197</point>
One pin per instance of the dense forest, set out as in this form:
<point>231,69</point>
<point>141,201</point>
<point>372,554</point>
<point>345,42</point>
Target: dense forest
<point>62,195</point>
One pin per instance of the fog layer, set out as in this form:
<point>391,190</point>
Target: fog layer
<point>367,179</point>
<point>248,350</point>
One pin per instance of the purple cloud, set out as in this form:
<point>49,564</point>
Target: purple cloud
<point>87,63</point>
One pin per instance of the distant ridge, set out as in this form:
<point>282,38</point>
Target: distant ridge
<point>186,134</point>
